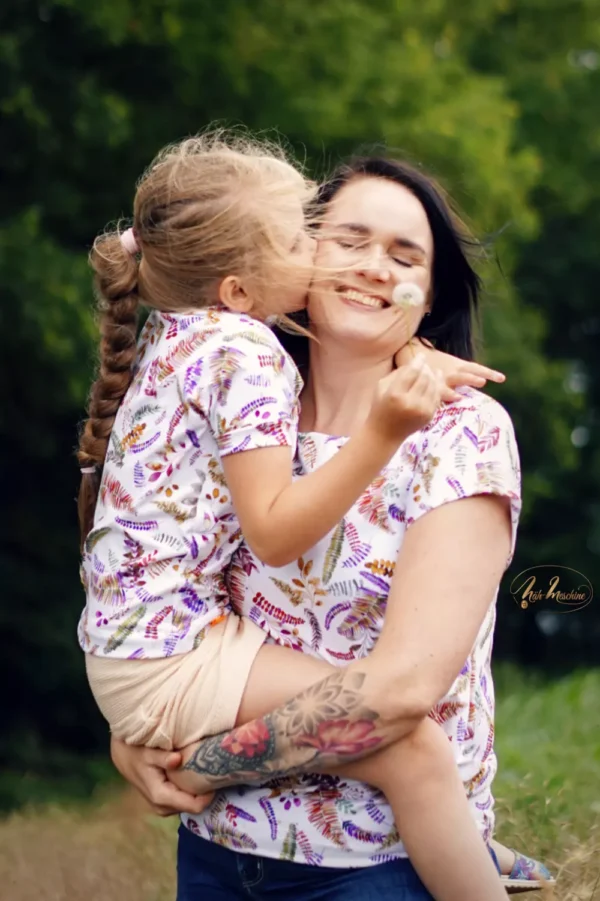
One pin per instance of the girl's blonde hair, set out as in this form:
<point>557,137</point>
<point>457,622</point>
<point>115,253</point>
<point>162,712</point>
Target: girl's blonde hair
<point>207,207</point>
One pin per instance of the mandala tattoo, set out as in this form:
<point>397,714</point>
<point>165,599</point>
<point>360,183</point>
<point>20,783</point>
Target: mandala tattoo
<point>325,725</point>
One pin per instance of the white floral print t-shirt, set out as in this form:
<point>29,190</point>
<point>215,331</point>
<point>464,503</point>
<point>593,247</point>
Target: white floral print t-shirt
<point>331,603</point>
<point>206,384</point>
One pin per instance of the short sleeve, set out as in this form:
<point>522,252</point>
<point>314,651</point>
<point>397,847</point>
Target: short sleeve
<point>470,449</point>
<point>249,389</point>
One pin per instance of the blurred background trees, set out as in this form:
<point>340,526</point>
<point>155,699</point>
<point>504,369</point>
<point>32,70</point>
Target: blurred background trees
<point>497,98</point>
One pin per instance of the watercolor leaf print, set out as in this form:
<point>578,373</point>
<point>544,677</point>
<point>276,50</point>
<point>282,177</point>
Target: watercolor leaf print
<point>178,513</point>
<point>276,613</point>
<point>181,353</point>
<point>114,494</point>
<point>252,337</point>
<point>224,363</point>
<point>445,711</point>
<point>363,835</point>
<point>372,504</point>
<point>216,472</point>
<point>490,477</point>
<point>288,849</point>
<point>132,436</point>
<point>270,815</point>
<point>308,451</point>
<point>175,420</point>
<point>117,452</point>
<point>228,837</point>
<point>323,815</point>
<point>306,848</point>
<point>143,412</point>
<point>304,588</point>
<point>295,596</point>
<point>360,550</point>
<point>427,468</point>
<point>124,630</point>
<point>108,589</point>
<point>488,438</point>
<point>317,635</point>
<point>334,552</point>
<point>363,618</point>
<point>94,537</point>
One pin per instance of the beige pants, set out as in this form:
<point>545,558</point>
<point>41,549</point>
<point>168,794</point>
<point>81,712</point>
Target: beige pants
<point>169,702</point>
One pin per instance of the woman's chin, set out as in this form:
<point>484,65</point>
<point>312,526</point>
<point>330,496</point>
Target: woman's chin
<point>361,332</point>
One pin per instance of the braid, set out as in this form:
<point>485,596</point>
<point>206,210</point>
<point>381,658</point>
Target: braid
<point>116,289</point>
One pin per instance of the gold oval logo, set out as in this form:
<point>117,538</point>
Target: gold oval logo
<point>565,588</point>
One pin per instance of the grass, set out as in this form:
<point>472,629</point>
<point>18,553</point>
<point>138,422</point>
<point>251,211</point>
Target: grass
<point>548,784</point>
<point>547,789</point>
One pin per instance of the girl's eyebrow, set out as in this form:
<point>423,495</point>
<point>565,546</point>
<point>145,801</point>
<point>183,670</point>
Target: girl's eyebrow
<point>365,232</point>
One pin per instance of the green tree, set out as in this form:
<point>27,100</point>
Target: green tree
<point>499,104</point>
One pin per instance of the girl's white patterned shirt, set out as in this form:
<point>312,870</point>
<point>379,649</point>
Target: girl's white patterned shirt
<point>206,384</point>
<point>331,604</point>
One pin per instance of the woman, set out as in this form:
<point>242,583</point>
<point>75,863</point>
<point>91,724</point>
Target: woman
<point>438,562</point>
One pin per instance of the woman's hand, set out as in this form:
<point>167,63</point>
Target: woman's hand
<point>455,371</point>
<point>146,769</point>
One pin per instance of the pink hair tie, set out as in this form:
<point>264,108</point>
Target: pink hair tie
<point>87,470</point>
<point>129,241</point>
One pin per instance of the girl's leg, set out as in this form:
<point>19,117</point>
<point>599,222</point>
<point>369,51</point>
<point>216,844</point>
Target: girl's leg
<point>420,779</point>
<point>418,775</point>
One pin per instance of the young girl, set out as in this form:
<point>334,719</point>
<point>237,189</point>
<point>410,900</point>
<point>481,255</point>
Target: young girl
<point>189,445</point>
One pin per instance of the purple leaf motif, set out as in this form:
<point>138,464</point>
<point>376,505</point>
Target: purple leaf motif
<point>471,435</point>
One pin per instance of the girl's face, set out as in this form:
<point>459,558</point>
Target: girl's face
<point>289,278</point>
<point>375,236</point>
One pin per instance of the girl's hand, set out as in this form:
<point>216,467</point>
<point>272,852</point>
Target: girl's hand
<point>405,400</point>
<point>146,769</point>
<point>455,371</point>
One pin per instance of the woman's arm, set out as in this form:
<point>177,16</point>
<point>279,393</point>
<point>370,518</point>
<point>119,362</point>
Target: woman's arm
<point>447,574</point>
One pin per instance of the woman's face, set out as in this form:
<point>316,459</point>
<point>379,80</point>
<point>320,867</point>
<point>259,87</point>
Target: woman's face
<point>375,236</point>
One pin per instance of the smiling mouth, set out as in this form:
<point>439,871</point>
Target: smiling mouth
<point>372,301</point>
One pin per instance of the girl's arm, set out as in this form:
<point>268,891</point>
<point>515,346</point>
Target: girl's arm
<point>282,519</point>
<point>455,371</point>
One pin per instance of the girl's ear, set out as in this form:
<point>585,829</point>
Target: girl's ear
<point>234,296</point>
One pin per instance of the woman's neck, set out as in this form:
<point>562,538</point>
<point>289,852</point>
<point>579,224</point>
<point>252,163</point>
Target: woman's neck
<point>339,390</point>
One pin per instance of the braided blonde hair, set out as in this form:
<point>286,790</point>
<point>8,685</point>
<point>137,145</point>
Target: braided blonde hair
<point>206,207</point>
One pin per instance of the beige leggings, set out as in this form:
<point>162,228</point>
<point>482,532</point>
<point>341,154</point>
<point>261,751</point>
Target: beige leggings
<point>170,702</point>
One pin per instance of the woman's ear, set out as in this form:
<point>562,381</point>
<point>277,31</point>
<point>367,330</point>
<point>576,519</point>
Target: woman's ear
<point>234,296</point>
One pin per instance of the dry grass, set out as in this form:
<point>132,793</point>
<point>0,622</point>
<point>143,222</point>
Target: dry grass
<point>548,790</point>
<point>109,852</point>
<point>115,852</point>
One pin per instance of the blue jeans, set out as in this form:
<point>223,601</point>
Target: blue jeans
<point>208,872</point>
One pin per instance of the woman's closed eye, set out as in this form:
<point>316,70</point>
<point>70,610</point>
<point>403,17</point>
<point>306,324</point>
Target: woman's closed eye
<point>404,261</point>
<point>348,244</point>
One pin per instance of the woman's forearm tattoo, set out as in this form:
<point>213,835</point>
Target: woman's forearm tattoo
<point>324,726</point>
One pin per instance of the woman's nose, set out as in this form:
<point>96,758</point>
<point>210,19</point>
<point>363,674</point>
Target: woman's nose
<point>374,267</point>
<point>375,272</point>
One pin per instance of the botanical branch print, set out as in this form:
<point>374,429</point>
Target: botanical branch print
<point>165,528</point>
<point>327,820</point>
